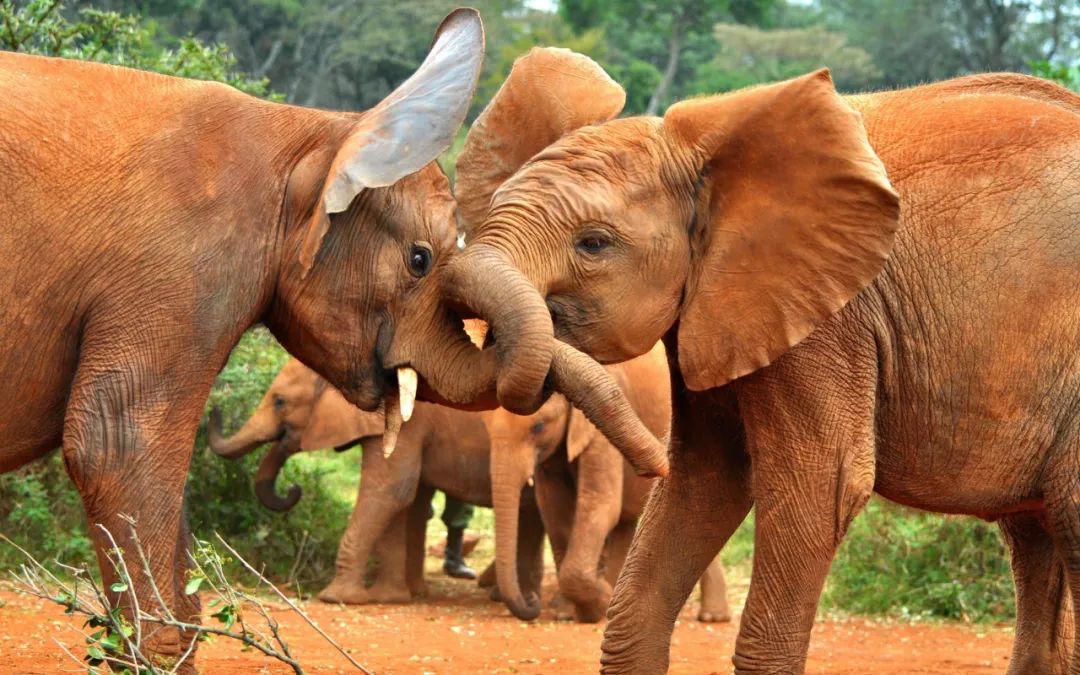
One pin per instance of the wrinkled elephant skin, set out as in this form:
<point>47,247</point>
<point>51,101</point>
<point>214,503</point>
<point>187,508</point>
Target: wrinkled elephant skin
<point>867,293</point>
<point>148,221</point>
<point>589,497</point>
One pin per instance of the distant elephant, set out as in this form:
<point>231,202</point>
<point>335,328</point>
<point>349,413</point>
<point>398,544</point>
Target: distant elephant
<point>147,221</point>
<point>588,494</point>
<point>439,448</point>
<point>868,293</point>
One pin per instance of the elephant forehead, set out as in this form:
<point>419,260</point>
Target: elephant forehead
<point>595,167</point>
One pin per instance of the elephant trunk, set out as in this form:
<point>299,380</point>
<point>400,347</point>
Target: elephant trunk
<point>527,353</point>
<point>591,389</point>
<point>483,280</point>
<point>266,478</point>
<point>506,498</point>
<point>239,444</point>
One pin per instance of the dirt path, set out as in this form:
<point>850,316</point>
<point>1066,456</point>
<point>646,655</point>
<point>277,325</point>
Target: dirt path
<point>459,631</point>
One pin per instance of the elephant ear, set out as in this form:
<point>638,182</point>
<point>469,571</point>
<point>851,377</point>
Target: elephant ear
<point>796,216</point>
<point>549,93</point>
<point>580,432</point>
<point>335,422</point>
<point>406,130</point>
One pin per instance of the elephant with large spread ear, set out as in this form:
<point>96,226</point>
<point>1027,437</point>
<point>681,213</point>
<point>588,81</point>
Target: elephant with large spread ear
<point>439,448</point>
<point>147,225</point>
<point>589,497</point>
<point>858,294</point>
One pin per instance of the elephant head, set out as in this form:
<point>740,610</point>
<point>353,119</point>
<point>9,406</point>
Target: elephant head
<point>368,218</point>
<point>732,225</point>
<point>370,227</point>
<point>520,443</point>
<point>299,412</point>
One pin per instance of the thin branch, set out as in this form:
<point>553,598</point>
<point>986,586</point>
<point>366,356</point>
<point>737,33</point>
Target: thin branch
<point>291,604</point>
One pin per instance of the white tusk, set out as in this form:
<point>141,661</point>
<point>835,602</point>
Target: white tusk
<point>392,416</point>
<point>531,481</point>
<point>407,378</point>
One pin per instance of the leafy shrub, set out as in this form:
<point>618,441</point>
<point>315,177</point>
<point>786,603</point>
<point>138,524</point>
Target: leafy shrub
<point>1065,75</point>
<point>899,562</point>
<point>220,497</point>
<point>41,27</point>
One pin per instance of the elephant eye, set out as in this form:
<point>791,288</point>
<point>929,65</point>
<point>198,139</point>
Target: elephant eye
<point>592,243</point>
<point>279,402</point>
<point>537,428</point>
<point>419,259</point>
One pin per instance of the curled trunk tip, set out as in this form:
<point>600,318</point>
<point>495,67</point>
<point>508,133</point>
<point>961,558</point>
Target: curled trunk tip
<point>592,390</point>
<point>266,480</point>
<point>484,280</point>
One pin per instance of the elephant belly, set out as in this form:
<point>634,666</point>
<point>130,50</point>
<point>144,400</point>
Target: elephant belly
<point>971,436</point>
<point>36,372</point>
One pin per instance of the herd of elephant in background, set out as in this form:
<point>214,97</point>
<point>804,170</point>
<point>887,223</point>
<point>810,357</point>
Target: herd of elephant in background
<point>550,472</point>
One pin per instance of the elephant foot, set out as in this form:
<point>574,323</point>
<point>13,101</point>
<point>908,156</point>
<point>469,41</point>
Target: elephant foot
<point>346,593</point>
<point>389,594</point>
<point>487,578</point>
<point>419,590</point>
<point>564,610</point>
<point>714,617</point>
<point>591,613</point>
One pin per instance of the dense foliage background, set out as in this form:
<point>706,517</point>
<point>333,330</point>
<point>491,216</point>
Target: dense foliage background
<point>347,54</point>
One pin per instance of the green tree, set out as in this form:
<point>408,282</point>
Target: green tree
<point>41,27</point>
<point>926,40</point>
<point>660,44</point>
<point>746,55</point>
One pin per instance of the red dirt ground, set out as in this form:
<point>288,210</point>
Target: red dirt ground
<point>458,630</point>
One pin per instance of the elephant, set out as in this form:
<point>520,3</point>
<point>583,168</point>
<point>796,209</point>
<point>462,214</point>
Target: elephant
<point>588,495</point>
<point>858,294</point>
<point>439,448</point>
<point>129,200</point>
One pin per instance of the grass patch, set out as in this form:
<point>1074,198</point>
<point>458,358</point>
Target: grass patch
<point>910,564</point>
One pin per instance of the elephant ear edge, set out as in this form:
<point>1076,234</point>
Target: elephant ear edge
<point>408,129</point>
<point>799,216</point>
<point>335,422</point>
<point>549,92</point>
<point>580,433</point>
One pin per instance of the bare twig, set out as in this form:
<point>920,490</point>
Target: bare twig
<point>119,645</point>
<point>292,605</point>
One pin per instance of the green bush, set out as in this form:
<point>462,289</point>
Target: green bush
<point>903,563</point>
<point>220,497</point>
<point>1065,75</point>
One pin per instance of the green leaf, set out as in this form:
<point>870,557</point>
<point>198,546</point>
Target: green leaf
<point>193,585</point>
<point>118,587</point>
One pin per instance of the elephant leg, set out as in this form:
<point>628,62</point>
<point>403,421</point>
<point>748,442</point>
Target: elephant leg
<point>127,447</point>
<point>390,582</point>
<point>714,602</point>
<point>809,425</point>
<point>689,516</point>
<point>1062,495</point>
<point>616,549</point>
<point>387,487</point>
<point>1044,622</point>
<point>487,578</point>
<point>555,498</point>
<point>599,497</point>
<point>416,541</point>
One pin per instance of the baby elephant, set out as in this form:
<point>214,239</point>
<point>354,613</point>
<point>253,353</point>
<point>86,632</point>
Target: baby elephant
<point>589,496</point>
<point>439,448</point>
